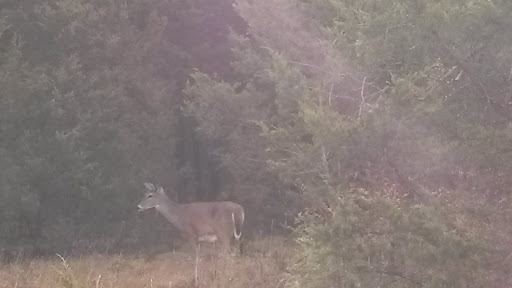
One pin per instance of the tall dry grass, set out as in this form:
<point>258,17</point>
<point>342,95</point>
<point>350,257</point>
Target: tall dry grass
<point>262,265</point>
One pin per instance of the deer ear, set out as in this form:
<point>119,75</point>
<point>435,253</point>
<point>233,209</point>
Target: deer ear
<point>150,186</point>
<point>160,190</point>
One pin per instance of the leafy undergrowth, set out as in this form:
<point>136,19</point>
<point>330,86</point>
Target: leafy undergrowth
<point>262,265</point>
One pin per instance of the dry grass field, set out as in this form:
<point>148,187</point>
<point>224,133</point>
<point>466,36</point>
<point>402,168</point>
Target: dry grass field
<point>263,265</point>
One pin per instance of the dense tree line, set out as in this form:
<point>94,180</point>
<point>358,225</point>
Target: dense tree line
<point>378,131</point>
<point>390,119</point>
<point>91,95</point>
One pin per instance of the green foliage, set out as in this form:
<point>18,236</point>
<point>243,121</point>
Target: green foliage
<point>389,96</point>
<point>371,241</point>
<point>323,102</point>
<point>89,111</point>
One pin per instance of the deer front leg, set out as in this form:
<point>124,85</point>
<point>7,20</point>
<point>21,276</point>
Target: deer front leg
<point>197,263</point>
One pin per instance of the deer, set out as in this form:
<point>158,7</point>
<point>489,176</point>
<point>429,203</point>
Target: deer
<point>197,222</point>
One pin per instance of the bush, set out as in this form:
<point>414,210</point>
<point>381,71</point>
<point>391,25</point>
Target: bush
<point>373,242</point>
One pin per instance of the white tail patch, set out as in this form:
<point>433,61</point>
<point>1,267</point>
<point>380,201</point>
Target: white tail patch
<point>237,236</point>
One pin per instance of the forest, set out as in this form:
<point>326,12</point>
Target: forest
<point>369,142</point>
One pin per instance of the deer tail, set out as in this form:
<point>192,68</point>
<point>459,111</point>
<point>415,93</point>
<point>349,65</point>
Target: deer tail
<point>237,236</point>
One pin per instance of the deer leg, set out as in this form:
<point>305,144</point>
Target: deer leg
<point>240,246</point>
<point>226,245</point>
<point>197,262</point>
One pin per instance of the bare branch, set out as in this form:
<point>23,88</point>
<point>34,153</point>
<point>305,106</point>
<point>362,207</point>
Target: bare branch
<point>362,99</point>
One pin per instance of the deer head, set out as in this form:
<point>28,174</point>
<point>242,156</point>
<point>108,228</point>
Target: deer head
<point>152,197</point>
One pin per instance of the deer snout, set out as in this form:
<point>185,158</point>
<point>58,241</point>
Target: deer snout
<point>140,208</point>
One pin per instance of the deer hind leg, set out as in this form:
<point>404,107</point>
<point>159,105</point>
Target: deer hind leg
<point>224,244</point>
<point>241,247</point>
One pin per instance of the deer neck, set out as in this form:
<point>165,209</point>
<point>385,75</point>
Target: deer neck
<point>171,211</point>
